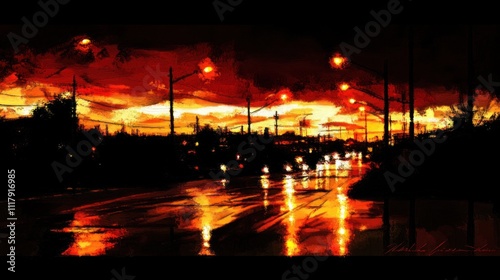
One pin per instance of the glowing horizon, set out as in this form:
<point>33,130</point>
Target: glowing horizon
<point>133,91</point>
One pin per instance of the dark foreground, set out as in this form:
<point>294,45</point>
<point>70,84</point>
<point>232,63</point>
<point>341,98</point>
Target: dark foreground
<point>248,216</point>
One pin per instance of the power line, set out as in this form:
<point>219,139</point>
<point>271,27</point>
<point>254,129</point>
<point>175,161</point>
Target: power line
<point>94,108</point>
<point>121,124</point>
<point>23,96</point>
<point>216,94</point>
<point>236,126</point>
<point>10,105</point>
<point>102,104</point>
<point>205,99</point>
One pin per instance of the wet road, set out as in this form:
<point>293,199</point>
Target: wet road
<point>267,215</point>
<point>257,216</point>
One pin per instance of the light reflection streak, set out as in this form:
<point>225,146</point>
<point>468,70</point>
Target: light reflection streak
<point>266,201</point>
<point>214,208</point>
<point>342,233</point>
<point>206,220</point>
<point>89,238</point>
<point>264,182</point>
<point>291,239</point>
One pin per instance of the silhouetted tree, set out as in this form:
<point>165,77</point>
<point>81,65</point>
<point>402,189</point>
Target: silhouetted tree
<point>54,120</point>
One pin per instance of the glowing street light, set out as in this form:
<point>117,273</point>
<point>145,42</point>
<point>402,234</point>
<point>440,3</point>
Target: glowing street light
<point>340,62</point>
<point>354,101</point>
<point>82,44</point>
<point>202,70</point>
<point>85,41</point>
<point>208,69</point>
<point>344,86</point>
<point>283,97</point>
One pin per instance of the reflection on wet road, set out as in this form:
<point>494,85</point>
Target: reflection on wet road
<point>271,215</point>
<point>90,240</point>
<point>299,214</point>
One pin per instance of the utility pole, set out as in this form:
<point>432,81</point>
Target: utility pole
<point>470,78</point>
<point>386,104</point>
<point>73,98</point>
<point>411,96</point>
<point>171,95</point>
<point>469,125</point>
<point>366,132</point>
<point>390,126</point>
<point>412,232</point>
<point>248,115</point>
<point>386,215</point>
<point>403,109</point>
<point>197,125</point>
<point>276,117</point>
<point>74,117</point>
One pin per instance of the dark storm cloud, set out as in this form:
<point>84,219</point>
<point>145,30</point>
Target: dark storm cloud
<point>296,56</point>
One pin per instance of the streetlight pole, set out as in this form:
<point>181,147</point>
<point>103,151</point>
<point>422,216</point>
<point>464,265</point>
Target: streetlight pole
<point>366,133</point>
<point>340,61</point>
<point>171,95</point>
<point>411,96</point>
<point>248,115</point>
<point>248,98</point>
<point>363,109</point>
<point>386,104</point>
<point>172,81</point>
<point>276,118</point>
<point>74,116</point>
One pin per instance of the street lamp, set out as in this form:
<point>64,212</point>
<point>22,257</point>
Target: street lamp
<point>362,109</point>
<point>340,62</point>
<point>282,97</point>
<point>205,70</point>
<point>354,101</point>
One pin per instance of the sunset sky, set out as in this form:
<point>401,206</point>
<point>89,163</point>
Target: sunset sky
<point>122,75</point>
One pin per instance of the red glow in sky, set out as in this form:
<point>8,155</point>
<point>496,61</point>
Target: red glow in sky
<point>120,85</point>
